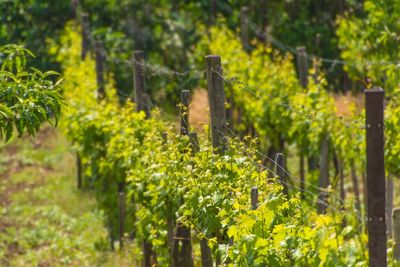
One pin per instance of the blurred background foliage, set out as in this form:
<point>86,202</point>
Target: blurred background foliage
<point>168,31</point>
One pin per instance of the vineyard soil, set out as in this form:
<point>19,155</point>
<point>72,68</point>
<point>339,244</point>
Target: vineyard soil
<point>44,220</point>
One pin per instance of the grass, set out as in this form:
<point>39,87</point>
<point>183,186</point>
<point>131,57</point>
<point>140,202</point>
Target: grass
<point>44,219</point>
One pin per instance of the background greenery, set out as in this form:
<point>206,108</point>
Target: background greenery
<point>353,45</point>
<point>169,30</point>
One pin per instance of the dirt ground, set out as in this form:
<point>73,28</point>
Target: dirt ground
<point>198,109</point>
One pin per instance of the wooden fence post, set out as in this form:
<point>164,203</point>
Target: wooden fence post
<point>75,7</point>
<point>206,256</point>
<point>101,91</point>
<point>254,197</point>
<point>170,219</point>
<point>138,79</point>
<point>186,258</point>
<point>396,233</point>
<point>85,28</point>
<point>280,171</point>
<point>183,233</point>
<point>302,65</point>
<point>147,251</point>
<point>244,28</point>
<point>142,102</point>
<point>341,179</point>
<point>111,234</point>
<point>194,142</point>
<point>302,70</point>
<point>164,136</point>
<point>356,187</point>
<point>85,46</point>
<point>216,99</point>
<point>170,240</point>
<point>121,214</point>
<point>213,12</point>
<point>376,184</point>
<point>324,175</point>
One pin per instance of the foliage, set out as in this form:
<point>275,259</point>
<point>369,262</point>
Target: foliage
<point>168,31</point>
<point>370,42</point>
<point>281,233</point>
<point>280,110</point>
<point>28,97</point>
<point>164,180</point>
<point>207,191</point>
<point>32,24</point>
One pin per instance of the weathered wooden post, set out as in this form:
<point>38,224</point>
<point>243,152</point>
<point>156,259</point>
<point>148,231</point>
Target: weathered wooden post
<point>147,251</point>
<point>121,214</point>
<point>85,35</point>
<point>280,171</point>
<point>216,98</point>
<point>396,233</point>
<point>244,28</point>
<point>376,184</point>
<point>85,46</point>
<point>142,101</point>
<point>254,197</point>
<point>75,7</point>
<point>302,65</point>
<point>170,240</point>
<point>182,234</point>
<point>101,91</point>
<point>194,142</point>
<point>138,79</point>
<point>302,70</point>
<point>170,219</point>
<point>206,257</point>
<point>213,12</point>
<point>341,180</point>
<point>323,175</point>
<point>111,234</point>
<point>356,187</point>
<point>186,258</point>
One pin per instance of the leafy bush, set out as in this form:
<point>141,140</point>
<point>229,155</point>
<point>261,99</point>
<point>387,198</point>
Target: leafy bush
<point>28,97</point>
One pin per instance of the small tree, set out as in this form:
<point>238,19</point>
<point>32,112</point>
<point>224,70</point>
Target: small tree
<point>28,97</point>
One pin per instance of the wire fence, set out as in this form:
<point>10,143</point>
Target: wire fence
<point>155,70</point>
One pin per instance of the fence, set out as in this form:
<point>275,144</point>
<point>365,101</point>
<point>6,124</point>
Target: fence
<point>375,175</point>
